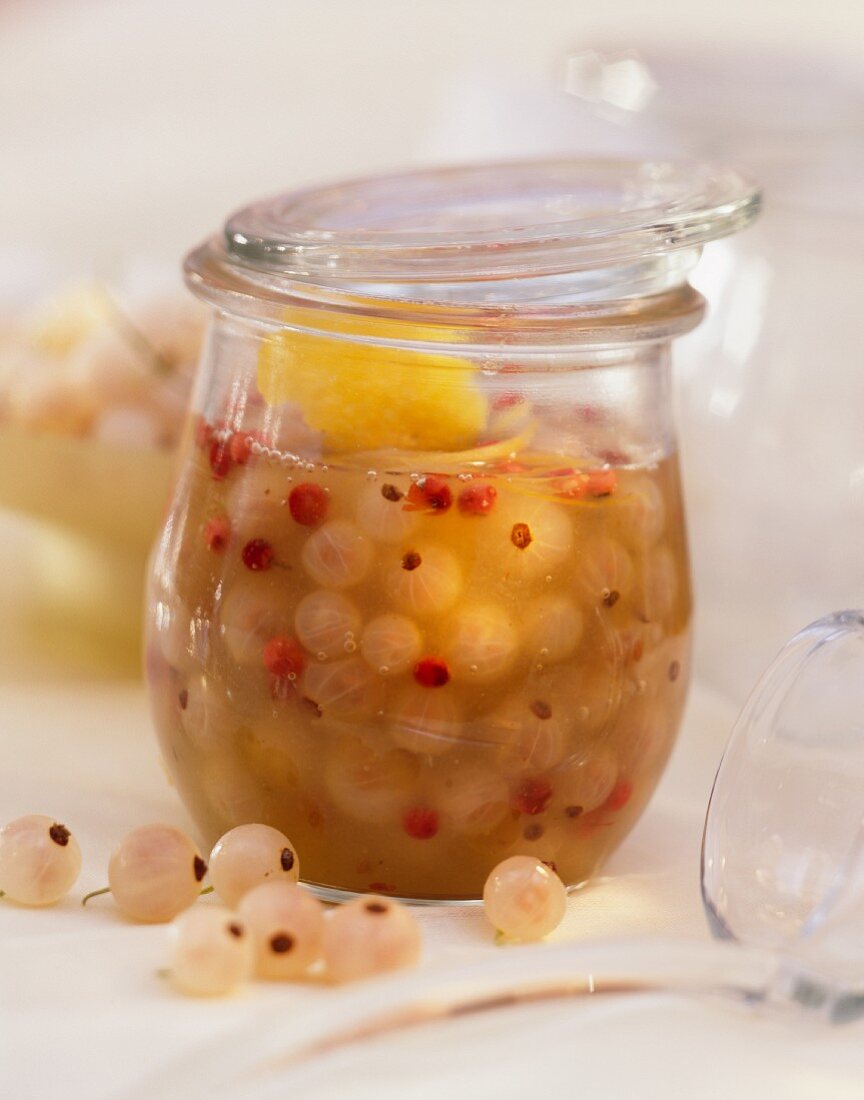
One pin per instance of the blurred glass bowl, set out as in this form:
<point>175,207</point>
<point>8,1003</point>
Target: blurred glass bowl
<point>93,397</point>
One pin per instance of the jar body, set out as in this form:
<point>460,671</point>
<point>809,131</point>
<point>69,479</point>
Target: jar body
<point>418,617</point>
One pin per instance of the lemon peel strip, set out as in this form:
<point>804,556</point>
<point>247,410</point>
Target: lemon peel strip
<point>366,397</point>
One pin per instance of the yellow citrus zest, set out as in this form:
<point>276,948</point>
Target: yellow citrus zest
<point>366,396</point>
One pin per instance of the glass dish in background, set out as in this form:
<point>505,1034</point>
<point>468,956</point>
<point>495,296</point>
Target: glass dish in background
<point>772,388</point>
<point>94,383</point>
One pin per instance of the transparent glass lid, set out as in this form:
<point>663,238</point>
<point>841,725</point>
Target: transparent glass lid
<point>783,848</point>
<point>492,221</point>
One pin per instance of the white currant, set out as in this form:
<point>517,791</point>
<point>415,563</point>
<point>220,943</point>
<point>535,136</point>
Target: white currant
<point>155,873</point>
<point>524,899</point>
<point>212,952</point>
<point>287,927</point>
<point>39,860</point>
<point>370,935</point>
<point>249,855</point>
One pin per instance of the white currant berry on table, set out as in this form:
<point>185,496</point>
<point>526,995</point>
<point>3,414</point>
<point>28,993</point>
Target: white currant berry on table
<point>212,952</point>
<point>370,935</point>
<point>325,622</point>
<point>337,555</point>
<point>287,927</point>
<point>248,855</point>
<point>155,873</point>
<point>391,644</point>
<point>424,580</point>
<point>523,899</point>
<point>39,860</point>
<point>481,643</point>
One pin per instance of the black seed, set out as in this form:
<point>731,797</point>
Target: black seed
<point>376,907</point>
<point>533,831</point>
<point>281,943</point>
<point>674,671</point>
<point>541,709</point>
<point>611,596</point>
<point>411,560</point>
<point>573,811</point>
<point>236,930</point>
<point>199,867</point>
<point>59,834</point>
<point>520,536</point>
<point>183,699</point>
<point>286,859</point>
<point>390,492</point>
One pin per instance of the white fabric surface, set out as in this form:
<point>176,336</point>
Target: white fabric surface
<point>84,1014</point>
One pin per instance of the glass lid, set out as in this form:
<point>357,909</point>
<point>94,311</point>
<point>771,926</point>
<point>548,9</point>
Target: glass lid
<point>492,221</point>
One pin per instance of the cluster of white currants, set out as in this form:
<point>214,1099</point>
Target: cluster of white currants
<point>274,928</point>
<point>277,929</point>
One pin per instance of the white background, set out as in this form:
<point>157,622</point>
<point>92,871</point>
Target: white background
<point>135,125</point>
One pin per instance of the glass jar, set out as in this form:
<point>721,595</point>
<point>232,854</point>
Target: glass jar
<point>422,598</point>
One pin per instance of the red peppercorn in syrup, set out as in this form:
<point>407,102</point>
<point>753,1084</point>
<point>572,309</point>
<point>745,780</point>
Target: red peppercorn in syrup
<point>423,588</point>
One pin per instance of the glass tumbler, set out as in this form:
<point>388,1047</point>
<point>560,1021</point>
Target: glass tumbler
<point>421,599</point>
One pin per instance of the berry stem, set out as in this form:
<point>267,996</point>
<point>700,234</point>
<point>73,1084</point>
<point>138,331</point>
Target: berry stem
<point>95,894</point>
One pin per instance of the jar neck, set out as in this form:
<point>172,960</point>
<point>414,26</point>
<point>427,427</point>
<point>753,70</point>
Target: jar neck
<point>646,302</point>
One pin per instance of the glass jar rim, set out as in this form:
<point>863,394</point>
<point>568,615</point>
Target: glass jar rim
<point>482,221</point>
<point>576,238</point>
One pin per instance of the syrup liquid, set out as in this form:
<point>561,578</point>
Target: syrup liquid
<point>487,662</point>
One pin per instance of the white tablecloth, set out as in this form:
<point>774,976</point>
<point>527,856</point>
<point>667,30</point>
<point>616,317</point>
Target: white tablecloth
<point>84,1014</point>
